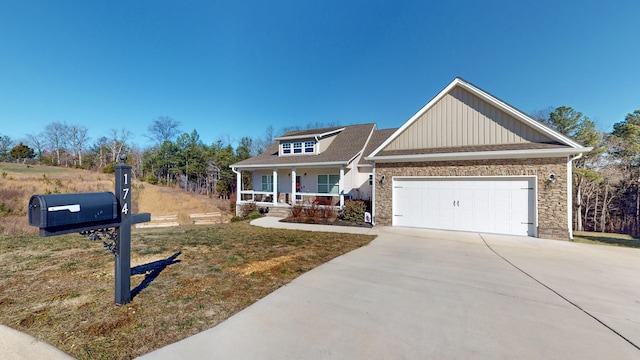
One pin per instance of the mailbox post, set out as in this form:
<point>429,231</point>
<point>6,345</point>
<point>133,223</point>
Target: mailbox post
<point>123,249</point>
<point>89,212</point>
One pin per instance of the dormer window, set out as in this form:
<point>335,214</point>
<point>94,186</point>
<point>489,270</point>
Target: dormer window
<point>299,147</point>
<point>309,147</point>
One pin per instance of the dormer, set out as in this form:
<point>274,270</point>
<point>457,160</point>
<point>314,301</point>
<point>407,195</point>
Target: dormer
<point>306,142</point>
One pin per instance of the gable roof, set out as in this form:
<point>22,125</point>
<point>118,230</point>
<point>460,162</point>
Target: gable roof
<point>347,145</point>
<point>443,128</point>
<point>377,138</point>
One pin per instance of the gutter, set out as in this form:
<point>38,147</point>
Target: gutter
<point>308,165</point>
<point>479,155</point>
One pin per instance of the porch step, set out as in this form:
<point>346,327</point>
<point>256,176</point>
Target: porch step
<point>279,212</point>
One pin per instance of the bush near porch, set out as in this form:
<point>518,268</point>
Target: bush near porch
<point>351,215</point>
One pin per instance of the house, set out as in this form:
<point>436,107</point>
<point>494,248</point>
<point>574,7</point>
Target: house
<point>466,161</point>
<point>319,166</point>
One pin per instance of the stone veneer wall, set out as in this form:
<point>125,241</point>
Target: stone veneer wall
<point>552,197</point>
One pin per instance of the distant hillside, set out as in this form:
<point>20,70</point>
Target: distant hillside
<point>18,182</point>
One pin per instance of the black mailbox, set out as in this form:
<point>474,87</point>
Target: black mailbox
<point>71,210</point>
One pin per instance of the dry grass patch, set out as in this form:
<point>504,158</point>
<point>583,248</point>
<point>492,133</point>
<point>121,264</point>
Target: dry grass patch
<point>18,182</point>
<point>60,289</point>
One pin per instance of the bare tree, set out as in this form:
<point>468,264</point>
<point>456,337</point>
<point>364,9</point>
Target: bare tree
<point>542,115</point>
<point>37,142</point>
<point>101,148</point>
<point>118,142</point>
<point>56,134</point>
<point>5,146</point>
<point>163,128</point>
<point>77,138</point>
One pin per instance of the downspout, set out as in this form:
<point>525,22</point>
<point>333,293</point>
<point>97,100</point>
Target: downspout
<point>373,195</point>
<point>570,193</point>
<point>238,187</point>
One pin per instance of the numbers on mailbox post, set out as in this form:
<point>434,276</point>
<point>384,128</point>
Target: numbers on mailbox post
<point>125,193</point>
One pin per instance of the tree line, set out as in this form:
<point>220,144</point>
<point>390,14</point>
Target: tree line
<point>606,180</point>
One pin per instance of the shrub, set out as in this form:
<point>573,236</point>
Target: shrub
<point>248,208</point>
<point>254,215</point>
<point>296,211</point>
<point>236,219</point>
<point>109,169</point>
<point>5,210</point>
<point>327,212</point>
<point>354,210</point>
<point>152,179</point>
<point>312,211</point>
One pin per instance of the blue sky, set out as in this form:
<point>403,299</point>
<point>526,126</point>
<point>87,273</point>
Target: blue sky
<point>232,68</point>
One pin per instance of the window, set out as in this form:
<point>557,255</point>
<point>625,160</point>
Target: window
<point>299,147</point>
<point>309,146</point>
<point>267,182</point>
<point>328,184</point>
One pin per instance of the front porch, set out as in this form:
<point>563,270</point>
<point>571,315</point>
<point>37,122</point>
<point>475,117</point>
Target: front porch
<point>286,188</point>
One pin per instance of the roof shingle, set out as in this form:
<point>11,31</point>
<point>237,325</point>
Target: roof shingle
<point>347,145</point>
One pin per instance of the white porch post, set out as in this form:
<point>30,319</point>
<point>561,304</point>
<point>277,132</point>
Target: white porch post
<point>275,187</point>
<point>293,186</point>
<point>341,186</point>
<point>239,185</point>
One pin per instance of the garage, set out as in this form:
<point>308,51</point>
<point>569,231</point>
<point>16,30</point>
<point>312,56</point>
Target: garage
<point>502,205</point>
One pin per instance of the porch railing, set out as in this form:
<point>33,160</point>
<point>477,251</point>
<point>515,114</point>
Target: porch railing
<point>286,198</point>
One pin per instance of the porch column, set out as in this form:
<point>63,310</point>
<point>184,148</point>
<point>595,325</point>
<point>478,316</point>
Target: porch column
<point>341,186</point>
<point>275,187</point>
<point>239,185</point>
<point>293,186</point>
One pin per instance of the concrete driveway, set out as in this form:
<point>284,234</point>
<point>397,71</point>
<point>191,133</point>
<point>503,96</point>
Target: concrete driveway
<point>424,294</point>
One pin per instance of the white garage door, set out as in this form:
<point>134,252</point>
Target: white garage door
<point>493,205</point>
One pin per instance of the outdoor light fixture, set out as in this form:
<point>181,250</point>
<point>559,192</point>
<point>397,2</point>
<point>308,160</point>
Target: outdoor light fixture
<point>382,179</point>
<point>552,177</point>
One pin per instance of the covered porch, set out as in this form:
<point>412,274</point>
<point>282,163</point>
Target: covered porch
<point>291,186</point>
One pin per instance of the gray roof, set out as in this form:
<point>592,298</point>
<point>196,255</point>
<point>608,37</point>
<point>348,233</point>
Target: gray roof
<point>345,147</point>
<point>309,132</point>
<point>378,137</point>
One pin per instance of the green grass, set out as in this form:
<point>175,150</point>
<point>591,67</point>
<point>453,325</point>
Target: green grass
<point>32,169</point>
<point>60,289</point>
<point>606,239</point>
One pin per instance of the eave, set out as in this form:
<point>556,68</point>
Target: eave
<point>291,165</point>
<point>481,155</point>
<point>309,136</point>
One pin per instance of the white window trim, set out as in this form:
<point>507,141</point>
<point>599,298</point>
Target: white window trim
<point>299,147</point>
<point>286,147</point>
<point>328,184</point>
<point>269,183</point>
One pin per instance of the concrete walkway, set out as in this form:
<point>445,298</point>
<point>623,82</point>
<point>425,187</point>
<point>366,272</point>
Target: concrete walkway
<point>421,294</point>
<point>274,222</point>
<point>16,345</point>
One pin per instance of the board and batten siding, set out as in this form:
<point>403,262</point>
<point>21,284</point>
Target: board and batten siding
<point>461,118</point>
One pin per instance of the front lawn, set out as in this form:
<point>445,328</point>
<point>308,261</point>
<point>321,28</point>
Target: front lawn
<point>60,289</point>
